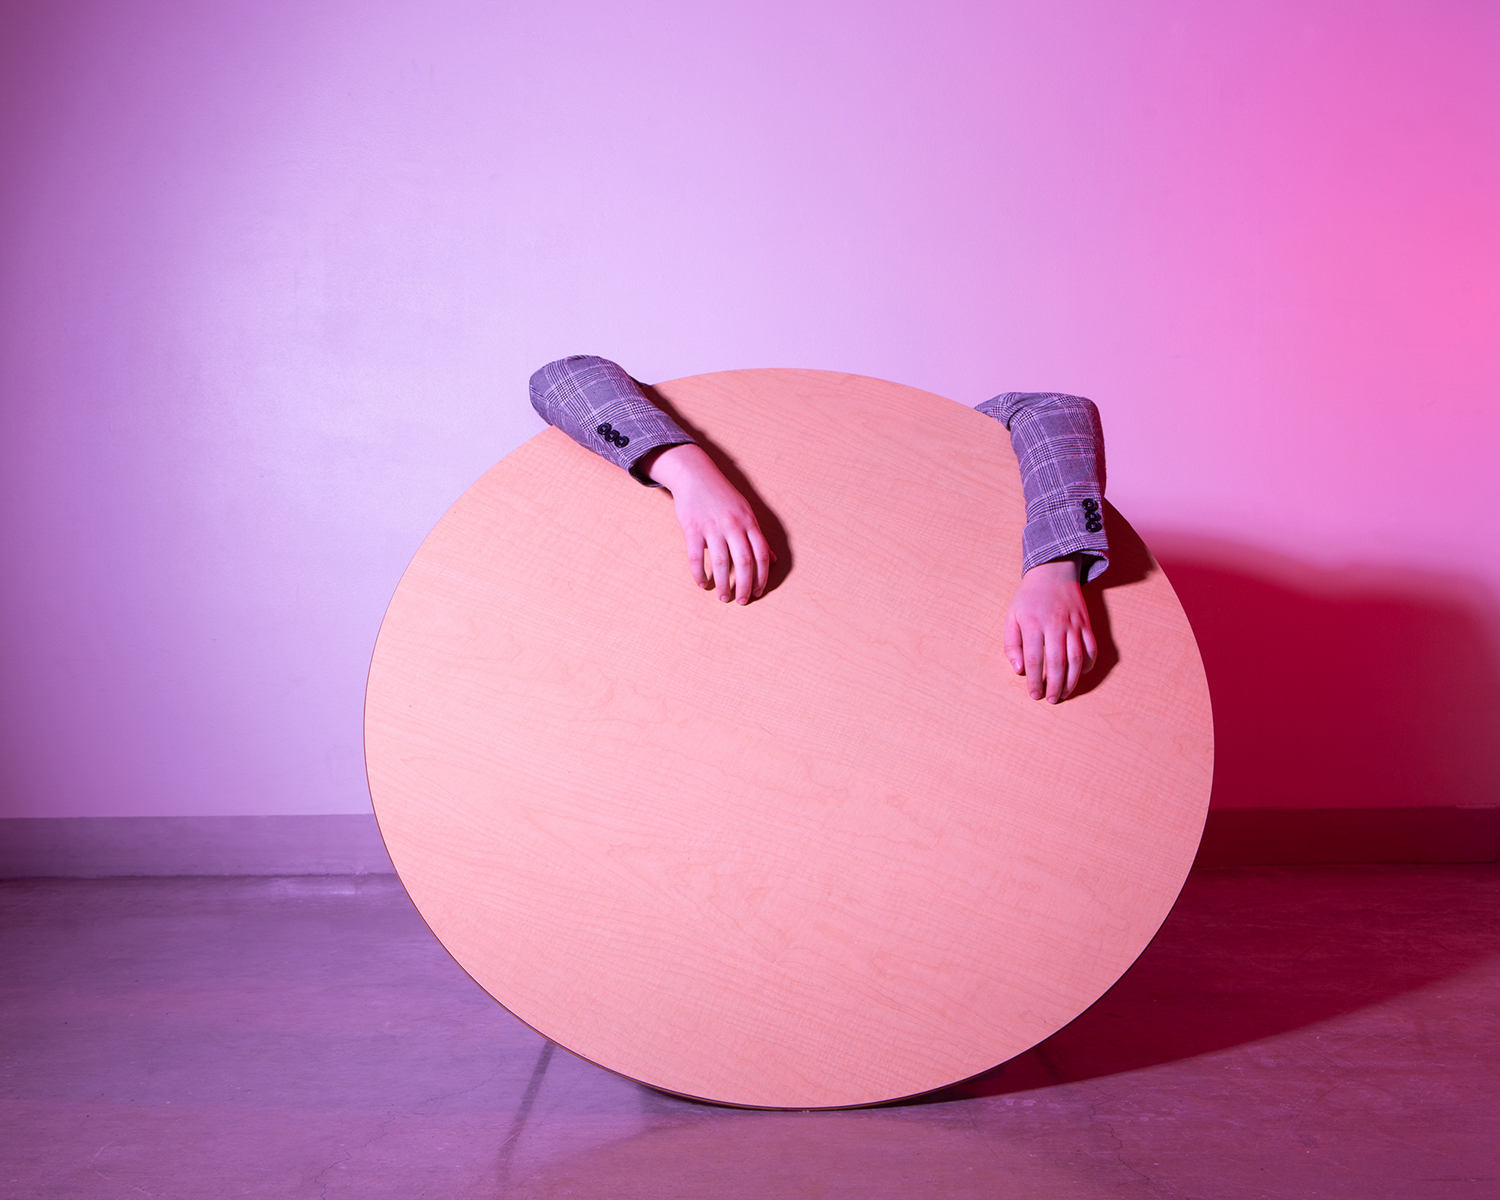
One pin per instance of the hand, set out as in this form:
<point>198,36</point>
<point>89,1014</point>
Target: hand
<point>1047,634</point>
<point>717,519</point>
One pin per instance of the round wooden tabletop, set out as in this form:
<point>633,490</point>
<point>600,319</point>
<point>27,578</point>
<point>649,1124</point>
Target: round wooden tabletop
<point>815,851</point>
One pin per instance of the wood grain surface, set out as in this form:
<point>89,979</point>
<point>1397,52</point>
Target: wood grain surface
<point>819,850</point>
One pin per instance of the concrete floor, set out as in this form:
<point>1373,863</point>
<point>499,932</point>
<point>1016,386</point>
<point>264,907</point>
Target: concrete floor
<point>1293,1032</point>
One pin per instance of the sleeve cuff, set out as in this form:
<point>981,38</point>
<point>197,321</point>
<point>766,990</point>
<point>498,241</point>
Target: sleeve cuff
<point>1062,528</point>
<point>638,467</point>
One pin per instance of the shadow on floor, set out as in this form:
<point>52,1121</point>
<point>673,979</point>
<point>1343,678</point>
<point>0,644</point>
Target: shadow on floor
<point>1250,955</point>
<point>1254,952</point>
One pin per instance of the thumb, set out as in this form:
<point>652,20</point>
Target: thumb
<point>1013,649</point>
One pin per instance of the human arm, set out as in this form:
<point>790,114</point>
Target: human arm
<point>603,409</point>
<point>1059,446</point>
<point>1048,638</point>
<point>717,521</point>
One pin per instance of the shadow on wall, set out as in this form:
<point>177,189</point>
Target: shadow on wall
<point>1355,688</point>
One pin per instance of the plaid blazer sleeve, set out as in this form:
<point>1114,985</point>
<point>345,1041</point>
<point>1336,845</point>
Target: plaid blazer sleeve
<point>603,409</point>
<point>1059,443</point>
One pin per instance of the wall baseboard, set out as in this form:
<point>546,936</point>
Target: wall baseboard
<point>98,847</point>
<point>1240,837</point>
<point>349,844</point>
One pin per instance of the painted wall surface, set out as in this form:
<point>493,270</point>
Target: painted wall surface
<point>275,274</point>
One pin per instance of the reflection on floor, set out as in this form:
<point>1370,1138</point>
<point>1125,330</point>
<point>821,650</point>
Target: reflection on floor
<point>1293,1032</point>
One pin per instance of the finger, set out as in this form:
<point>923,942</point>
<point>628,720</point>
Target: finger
<point>764,557</point>
<point>744,568</point>
<point>1031,650</point>
<point>1090,648</point>
<point>1057,665</point>
<point>718,554</point>
<point>695,560</point>
<point>1013,651</point>
<point>1075,662</point>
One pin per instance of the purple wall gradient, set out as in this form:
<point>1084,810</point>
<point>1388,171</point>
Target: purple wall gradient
<point>274,276</point>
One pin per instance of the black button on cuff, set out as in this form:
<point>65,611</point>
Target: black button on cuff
<point>610,434</point>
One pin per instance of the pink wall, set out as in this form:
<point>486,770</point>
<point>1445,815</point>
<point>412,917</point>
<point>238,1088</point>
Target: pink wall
<point>275,273</point>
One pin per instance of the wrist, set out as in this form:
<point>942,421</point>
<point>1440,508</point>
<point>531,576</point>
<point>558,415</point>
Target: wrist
<point>677,466</point>
<point>1058,570</point>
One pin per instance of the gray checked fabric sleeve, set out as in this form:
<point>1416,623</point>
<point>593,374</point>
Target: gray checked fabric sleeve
<point>599,406</point>
<point>1059,443</point>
